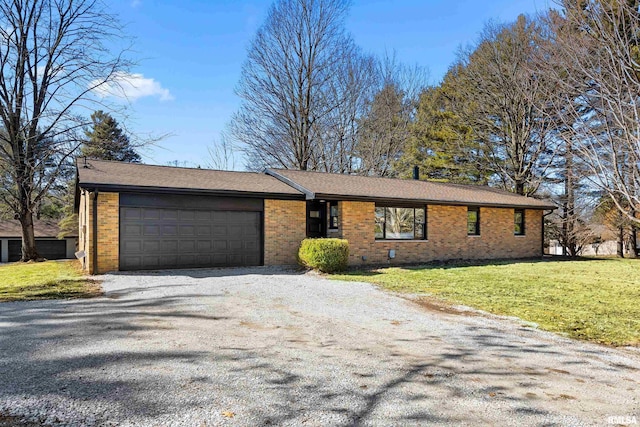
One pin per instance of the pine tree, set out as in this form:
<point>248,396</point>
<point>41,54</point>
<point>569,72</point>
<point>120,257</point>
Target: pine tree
<point>441,144</point>
<point>107,141</point>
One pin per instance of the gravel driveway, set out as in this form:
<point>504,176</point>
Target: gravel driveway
<point>269,347</point>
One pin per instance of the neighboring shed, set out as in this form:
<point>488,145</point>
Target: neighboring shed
<point>157,217</point>
<point>47,242</point>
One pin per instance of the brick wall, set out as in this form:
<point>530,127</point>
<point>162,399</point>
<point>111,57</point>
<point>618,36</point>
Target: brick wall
<point>108,231</point>
<point>284,229</point>
<point>447,236</point>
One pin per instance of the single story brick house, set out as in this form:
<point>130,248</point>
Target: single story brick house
<point>136,217</point>
<point>47,242</point>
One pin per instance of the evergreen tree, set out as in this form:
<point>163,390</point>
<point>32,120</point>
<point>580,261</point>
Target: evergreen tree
<point>107,141</point>
<point>441,144</point>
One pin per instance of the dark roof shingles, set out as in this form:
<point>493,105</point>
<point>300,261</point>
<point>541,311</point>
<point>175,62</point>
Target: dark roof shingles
<point>354,186</point>
<point>107,173</point>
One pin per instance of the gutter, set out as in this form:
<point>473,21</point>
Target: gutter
<point>544,215</point>
<point>310,195</point>
<point>95,231</point>
<point>189,191</point>
<point>401,201</point>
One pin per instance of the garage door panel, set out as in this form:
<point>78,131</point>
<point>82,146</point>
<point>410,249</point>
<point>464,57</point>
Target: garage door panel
<point>185,215</point>
<point>151,230</point>
<point>220,260</point>
<point>169,215</point>
<point>203,230</point>
<point>150,214</point>
<point>252,260</point>
<point>151,246</point>
<point>133,229</point>
<point>235,244</point>
<point>169,230</point>
<point>169,246</point>
<point>204,246</point>
<point>169,261</point>
<point>132,246</point>
<point>156,238</point>
<point>186,246</point>
<point>203,216</point>
<point>151,261</point>
<point>187,230</point>
<point>131,213</point>
<point>221,218</point>
<point>220,231</point>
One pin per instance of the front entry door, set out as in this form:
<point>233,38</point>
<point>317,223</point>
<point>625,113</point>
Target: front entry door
<point>316,219</point>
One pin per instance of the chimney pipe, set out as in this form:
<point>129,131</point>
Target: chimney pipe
<point>416,172</point>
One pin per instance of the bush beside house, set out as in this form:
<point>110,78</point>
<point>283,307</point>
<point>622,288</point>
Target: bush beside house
<point>326,255</point>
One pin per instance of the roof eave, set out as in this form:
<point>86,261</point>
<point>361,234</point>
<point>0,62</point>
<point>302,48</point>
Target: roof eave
<point>355,198</point>
<point>119,188</point>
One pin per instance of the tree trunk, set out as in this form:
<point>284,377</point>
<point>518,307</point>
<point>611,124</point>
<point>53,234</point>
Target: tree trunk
<point>633,243</point>
<point>29,251</point>
<point>621,242</point>
<point>520,187</point>
<point>633,238</point>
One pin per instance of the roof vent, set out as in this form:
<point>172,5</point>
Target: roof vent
<point>86,166</point>
<point>416,172</point>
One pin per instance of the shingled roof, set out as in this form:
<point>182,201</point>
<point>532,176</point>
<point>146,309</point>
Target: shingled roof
<point>317,185</point>
<point>115,176</point>
<point>41,228</point>
<point>291,184</point>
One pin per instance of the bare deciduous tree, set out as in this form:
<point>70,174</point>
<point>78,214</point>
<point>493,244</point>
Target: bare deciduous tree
<point>384,129</point>
<point>288,81</point>
<point>501,98</point>
<point>221,154</point>
<point>53,53</point>
<point>595,64</point>
<point>353,88</point>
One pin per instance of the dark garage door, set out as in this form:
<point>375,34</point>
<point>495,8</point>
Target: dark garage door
<point>159,238</point>
<point>49,249</point>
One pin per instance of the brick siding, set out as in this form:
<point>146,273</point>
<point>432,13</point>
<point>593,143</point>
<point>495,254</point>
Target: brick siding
<point>447,236</point>
<point>108,231</point>
<point>284,229</point>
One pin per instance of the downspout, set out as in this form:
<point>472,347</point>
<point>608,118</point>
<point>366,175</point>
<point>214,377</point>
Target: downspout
<point>95,232</point>
<point>544,215</point>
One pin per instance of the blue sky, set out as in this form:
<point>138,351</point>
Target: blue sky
<point>190,53</point>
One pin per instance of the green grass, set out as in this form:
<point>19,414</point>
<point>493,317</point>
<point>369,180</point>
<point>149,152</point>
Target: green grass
<point>45,280</point>
<point>590,299</point>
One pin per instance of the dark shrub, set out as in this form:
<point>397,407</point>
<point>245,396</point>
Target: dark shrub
<point>326,255</point>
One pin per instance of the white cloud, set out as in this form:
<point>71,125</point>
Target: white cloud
<point>131,86</point>
<point>136,3</point>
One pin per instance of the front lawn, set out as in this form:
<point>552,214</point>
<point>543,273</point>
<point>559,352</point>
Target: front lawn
<point>45,280</point>
<point>591,299</point>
